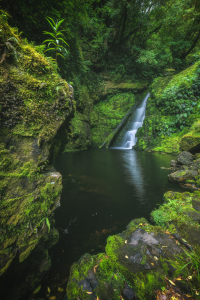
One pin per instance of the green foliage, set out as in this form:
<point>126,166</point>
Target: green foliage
<point>56,40</point>
<point>108,114</point>
<point>193,259</point>
<point>47,222</point>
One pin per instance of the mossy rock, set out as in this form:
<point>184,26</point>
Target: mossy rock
<point>191,140</point>
<point>111,87</point>
<point>36,108</point>
<point>80,136</point>
<point>142,256</point>
<point>164,129</point>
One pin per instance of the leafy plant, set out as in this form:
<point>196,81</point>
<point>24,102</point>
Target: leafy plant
<point>47,222</point>
<point>194,262</point>
<point>56,40</point>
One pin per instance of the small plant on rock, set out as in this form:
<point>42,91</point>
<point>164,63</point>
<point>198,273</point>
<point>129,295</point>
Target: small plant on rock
<point>56,39</point>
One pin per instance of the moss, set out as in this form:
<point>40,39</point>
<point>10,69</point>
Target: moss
<point>171,114</point>
<point>110,113</point>
<point>110,87</point>
<point>36,107</point>
<point>177,209</point>
<point>142,262</point>
<point>79,139</point>
<point>190,141</point>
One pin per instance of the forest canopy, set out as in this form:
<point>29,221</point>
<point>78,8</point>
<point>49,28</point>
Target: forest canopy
<point>129,39</point>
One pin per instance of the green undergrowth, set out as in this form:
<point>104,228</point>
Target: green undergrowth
<point>170,258</point>
<point>35,108</point>
<point>108,114</point>
<point>177,209</point>
<point>171,111</point>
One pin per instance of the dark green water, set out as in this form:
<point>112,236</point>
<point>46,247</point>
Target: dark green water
<point>103,190</point>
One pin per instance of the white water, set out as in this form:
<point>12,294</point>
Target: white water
<point>130,139</point>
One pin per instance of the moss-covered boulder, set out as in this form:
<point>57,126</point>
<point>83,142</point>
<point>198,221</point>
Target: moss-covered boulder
<point>35,109</point>
<point>191,140</point>
<point>79,137</point>
<point>172,114</point>
<point>181,176</point>
<point>187,170</point>
<point>143,256</point>
<point>185,158</point>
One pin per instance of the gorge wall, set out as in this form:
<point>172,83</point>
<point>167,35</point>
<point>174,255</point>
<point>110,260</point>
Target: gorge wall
<point>172,117</point>
<point>35,109</point>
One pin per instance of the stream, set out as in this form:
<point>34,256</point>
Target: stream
<point>103,190</point>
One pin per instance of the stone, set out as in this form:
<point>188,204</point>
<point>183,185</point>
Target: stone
<point>196,165</point>
<point>180,176</point>
<point>185,158</point>
<point>86,285</point>
<point>174,164</point>
<point>128,293</point>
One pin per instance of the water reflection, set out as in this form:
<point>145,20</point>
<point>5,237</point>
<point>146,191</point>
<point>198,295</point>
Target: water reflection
<point>134,172</point>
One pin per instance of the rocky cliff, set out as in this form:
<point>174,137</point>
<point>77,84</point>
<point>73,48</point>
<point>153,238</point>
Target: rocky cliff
<point>172,117</point>
<point>36,106</point>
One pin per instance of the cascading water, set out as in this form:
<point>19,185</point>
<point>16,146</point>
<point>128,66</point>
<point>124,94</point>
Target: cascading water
<point>130,139</point>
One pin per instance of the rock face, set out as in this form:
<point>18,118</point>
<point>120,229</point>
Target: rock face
<point>187,170</point>
<point>185,158</point>
<point>182,176</point>
<point>191,140</point>
<point>128,293</point>
<point>35,109</point>
<point>143,255</point>
<point>159,132</point>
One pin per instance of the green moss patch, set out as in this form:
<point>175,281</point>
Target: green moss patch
<point>144,256</point>
<point>171,111</point>
<point>35,108</point>
<point>109,114</point>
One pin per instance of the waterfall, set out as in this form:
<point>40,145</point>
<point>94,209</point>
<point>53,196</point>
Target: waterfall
<point>129,139</point>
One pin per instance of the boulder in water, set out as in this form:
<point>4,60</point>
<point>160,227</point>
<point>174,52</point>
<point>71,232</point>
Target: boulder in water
<point>185,158</point>
<point>181,176</point>
<point>174,164</point>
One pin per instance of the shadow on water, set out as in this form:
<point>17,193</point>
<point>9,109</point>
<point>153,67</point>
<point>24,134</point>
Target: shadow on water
<point>103,190</point>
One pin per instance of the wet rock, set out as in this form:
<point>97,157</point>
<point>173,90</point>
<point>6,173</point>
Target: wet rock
<point>141,235</point>
<point>196,204</point>
<point>155,251</point>
<point>92,279</point>
<point>196,165</point>
<point>147,267</point>
<point>85,285</point>
<point>174,164</point>
<point>136,258</point>
<point>185,158</point>
<point>180,176</point>
<point>178,237</point>
<point>194,215</point>
<point>128,293</point>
